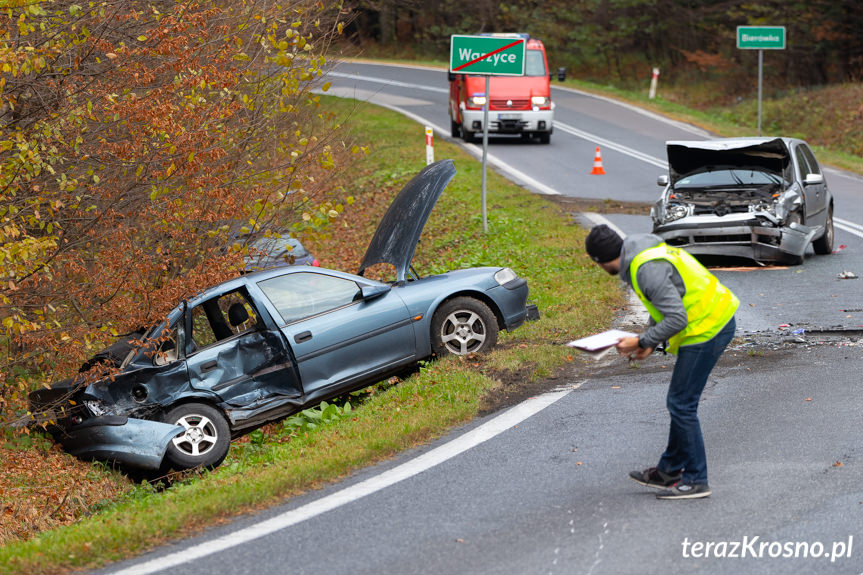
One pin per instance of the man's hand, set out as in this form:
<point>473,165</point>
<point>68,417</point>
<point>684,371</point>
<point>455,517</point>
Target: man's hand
<point>628,346</point>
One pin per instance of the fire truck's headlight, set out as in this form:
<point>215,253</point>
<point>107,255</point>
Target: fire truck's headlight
<point>539,100</point>
<point>478,100</point>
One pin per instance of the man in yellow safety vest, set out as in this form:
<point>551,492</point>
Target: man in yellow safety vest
<point>694,313</point>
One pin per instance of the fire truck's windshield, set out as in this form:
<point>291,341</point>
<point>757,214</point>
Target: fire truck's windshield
<point>534,65</point>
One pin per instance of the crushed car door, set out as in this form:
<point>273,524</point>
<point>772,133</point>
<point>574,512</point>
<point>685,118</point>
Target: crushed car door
<point>232,353</point>
<point>338,336</point>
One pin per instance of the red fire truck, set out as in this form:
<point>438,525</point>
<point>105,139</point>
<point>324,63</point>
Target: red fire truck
<point>518,104</point>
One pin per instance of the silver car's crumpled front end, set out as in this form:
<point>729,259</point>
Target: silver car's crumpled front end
<point>735,197</point>
<point>737,235</point>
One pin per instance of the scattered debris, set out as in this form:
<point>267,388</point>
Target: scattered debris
<point>846,275</point>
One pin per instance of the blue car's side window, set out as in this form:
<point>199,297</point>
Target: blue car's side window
<point>301,295</point>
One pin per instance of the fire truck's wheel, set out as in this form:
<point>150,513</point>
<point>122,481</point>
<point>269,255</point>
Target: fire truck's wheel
<point>455,128</point>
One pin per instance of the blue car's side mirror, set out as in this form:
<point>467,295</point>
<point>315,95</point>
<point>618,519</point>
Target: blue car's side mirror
<point>373,291</point>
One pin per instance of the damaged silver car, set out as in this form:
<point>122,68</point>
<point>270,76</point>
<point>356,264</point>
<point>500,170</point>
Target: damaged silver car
<point>269,343</point>
<point>765,199</point>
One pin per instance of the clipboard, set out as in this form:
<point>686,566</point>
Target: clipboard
<point>599,344</point>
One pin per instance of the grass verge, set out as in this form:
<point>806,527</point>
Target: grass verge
<point>272,464</point>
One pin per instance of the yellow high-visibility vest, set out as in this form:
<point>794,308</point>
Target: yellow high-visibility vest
<point>709,304</point>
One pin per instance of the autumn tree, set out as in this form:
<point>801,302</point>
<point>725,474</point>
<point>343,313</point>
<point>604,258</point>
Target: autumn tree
<point>138,140</point>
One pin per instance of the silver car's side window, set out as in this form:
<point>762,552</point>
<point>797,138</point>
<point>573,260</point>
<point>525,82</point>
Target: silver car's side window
<point>802,163</point>
<point>300,295</point>
<point>810,157</point>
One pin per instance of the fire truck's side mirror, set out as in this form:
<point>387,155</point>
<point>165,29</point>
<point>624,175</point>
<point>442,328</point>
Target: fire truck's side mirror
<point>561,74</point>
<point>451,76</point>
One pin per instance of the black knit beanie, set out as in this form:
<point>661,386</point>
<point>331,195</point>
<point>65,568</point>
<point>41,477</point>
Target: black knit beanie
<point>603,244</point>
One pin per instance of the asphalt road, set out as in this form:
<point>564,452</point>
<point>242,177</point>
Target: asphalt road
<point>548,492</point>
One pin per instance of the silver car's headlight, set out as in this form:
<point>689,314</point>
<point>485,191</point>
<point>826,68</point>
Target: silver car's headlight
<point>505,276</point>
<point>675,212</point>
<point>770,208</point>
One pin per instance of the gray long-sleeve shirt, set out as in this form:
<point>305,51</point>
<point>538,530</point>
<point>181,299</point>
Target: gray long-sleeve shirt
<point>661,284</point>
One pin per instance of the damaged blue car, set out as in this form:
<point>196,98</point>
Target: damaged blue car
<point>267,344</point>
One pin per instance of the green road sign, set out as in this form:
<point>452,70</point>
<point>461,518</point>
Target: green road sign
<point>761,37</point>
<point>487,55</point>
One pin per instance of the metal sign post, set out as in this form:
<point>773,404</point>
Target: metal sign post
<point>484,154</point>
<point>760,38</point>
<point>487,56</point>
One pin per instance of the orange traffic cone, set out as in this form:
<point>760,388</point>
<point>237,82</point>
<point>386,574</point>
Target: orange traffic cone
<point>597,164</point>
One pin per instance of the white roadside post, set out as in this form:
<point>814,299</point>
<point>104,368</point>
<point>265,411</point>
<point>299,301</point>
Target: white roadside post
<point>653,82</point>
<point>429,145</point>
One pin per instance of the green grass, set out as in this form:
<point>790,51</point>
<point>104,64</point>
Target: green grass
<point>525,232</point>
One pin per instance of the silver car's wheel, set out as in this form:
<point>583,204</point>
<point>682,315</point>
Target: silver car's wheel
<point>206,438</point>
<point>462,326</point>
<point>824,244</point>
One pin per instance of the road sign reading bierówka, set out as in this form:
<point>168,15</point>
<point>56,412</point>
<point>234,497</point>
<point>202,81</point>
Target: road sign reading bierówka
<point>761,37</point>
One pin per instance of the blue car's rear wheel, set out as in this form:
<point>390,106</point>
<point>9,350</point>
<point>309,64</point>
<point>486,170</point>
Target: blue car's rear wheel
<point>463,325</point>
<point>206,440</point>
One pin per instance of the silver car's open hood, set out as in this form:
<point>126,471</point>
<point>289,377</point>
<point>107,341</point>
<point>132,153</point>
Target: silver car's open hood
<point>396,238</point>
<point>687,157</point>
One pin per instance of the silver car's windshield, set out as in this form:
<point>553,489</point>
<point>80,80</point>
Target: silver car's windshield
<point>732,177</point>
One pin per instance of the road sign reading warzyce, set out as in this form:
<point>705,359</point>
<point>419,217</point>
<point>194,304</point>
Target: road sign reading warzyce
<point>761,37</point>
<point>487,55</point>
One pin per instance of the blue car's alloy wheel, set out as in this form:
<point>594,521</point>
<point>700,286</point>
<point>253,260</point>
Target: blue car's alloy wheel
<point>206,440</point>
<point>462,326</point>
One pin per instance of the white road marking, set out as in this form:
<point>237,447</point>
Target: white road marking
<point>388,82</point>
<point>612,145</point>
<point>849,227</point>
<point>476,151</point>
<point>436,456</point>
<point>600,219</point>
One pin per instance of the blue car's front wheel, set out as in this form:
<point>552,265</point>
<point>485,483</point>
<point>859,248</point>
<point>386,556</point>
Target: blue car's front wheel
<point>463,325</point>
<point>206,438</point>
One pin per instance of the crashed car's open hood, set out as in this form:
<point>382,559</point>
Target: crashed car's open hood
<point>686,157</point>
<point>397,235</point>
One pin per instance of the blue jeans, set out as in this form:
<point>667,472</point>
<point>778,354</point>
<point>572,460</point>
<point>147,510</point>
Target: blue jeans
<point>685,449</point>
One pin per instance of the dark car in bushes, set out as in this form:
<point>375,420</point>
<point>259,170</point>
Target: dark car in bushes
<point>266,344</point>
